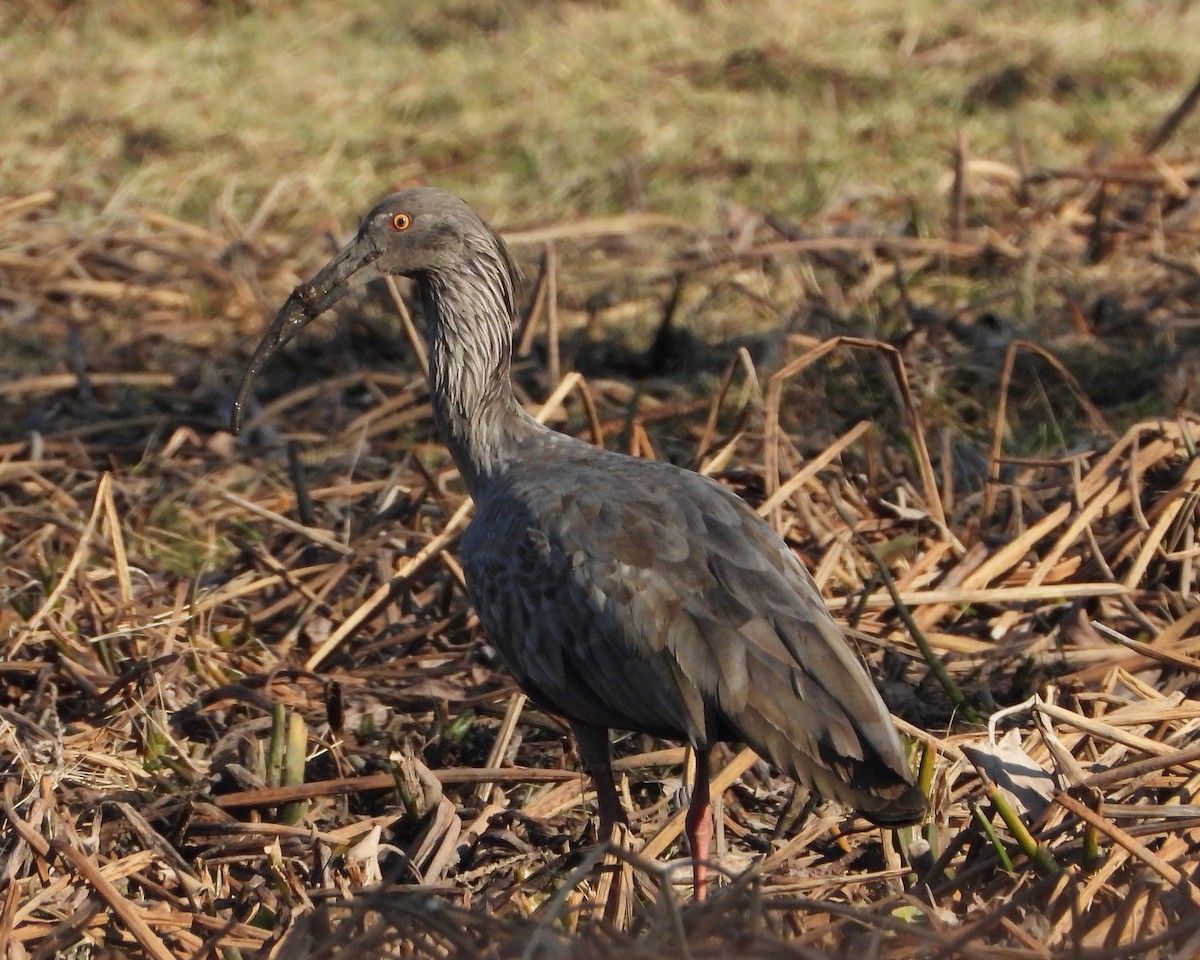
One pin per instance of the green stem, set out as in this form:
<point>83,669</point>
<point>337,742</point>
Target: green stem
<point>953,691</point>
<point>986,825</point>
<point>1043,861</point>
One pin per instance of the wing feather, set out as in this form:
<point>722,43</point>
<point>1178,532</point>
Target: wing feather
<point>631,594</point>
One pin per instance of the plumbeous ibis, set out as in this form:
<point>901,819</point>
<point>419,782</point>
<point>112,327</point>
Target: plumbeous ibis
<point>619,592</point>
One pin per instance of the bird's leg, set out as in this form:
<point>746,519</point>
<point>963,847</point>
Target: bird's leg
<point>597,758</point>
<point>699,825</point>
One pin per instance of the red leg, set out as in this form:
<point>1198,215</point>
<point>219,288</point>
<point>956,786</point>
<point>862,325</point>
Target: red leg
<point>594,749</point>
<point>699,824</point>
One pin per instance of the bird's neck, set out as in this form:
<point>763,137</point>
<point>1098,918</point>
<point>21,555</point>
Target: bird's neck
<point>470,348</point>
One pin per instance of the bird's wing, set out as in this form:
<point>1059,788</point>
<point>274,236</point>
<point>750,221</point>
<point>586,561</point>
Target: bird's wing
<point>574,624</point>
<point>632,594</point>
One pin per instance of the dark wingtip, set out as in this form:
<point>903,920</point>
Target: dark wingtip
<point>903,811</point>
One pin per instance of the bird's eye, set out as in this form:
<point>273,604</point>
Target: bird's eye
<point>401,221</point>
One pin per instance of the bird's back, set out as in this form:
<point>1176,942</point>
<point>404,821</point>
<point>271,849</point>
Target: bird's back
<point>633,594</point>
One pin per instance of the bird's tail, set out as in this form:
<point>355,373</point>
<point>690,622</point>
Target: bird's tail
<point>902,811</point>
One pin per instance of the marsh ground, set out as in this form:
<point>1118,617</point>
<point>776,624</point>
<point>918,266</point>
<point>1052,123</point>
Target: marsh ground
<point>701,194</point>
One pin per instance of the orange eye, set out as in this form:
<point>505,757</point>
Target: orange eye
<point>401,221</point>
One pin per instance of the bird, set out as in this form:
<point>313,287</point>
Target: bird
<point>620,592</point>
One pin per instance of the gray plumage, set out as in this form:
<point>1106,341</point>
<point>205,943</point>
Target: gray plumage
<point>619,592</point>
<point>628,593</point>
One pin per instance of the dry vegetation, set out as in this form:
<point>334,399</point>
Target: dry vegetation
<point>245,709</point>
<point>542,109</point>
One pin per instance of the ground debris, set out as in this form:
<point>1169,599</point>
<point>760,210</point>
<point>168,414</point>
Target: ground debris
<point>245,705</point>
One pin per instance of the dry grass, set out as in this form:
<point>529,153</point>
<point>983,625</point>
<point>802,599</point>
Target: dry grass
<point>545,110</point>
<point>246,711</point>
<point>181,779</point>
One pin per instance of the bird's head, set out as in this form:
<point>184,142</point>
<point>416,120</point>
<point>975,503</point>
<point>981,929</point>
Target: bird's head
<point>422,233</point>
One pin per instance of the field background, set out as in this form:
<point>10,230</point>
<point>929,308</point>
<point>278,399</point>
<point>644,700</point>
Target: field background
<point>544,111</point>
<point>997,203</point>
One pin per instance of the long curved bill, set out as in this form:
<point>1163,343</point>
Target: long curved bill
<point>348,269</point>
